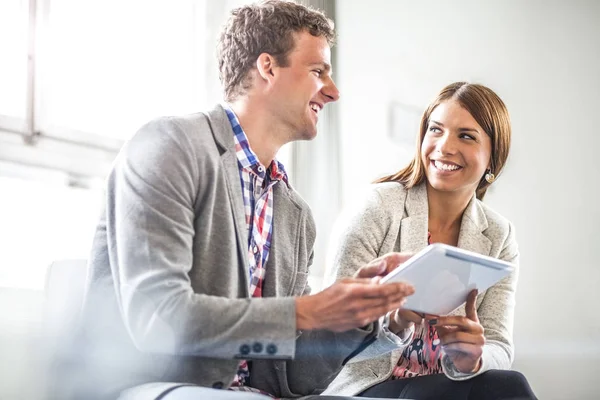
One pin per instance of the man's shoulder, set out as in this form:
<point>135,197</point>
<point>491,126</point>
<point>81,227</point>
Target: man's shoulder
<point>188,133</point>
<point>191,126</point>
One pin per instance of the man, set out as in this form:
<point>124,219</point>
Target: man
<point>198,274</point>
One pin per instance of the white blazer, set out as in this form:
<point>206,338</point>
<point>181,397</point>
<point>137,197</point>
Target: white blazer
<point>396,219</point>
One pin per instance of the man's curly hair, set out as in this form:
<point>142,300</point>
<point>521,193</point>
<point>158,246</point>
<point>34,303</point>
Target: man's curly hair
<point>265,27</point>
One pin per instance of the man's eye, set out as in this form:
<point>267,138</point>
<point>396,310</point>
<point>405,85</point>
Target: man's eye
<point>318,72</point>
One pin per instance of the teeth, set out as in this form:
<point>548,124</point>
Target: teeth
<point>315,107</point>
<point>445,167</point>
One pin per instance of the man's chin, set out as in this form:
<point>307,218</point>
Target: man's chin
<point>307,135</point>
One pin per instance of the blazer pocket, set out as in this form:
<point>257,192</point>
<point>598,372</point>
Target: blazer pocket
<point>300,283</point>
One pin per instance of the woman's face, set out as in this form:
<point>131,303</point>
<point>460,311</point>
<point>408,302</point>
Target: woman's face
<point>455,150</point>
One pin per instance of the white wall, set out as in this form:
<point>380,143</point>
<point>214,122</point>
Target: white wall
<point>543,59</point>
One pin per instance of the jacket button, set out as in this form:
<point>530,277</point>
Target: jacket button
<point>272,349</point>
<point>257,347</point>
<point>244,349</point>
<point>218,385</point>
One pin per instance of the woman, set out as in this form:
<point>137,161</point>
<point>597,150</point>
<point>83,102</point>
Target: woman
<point>462,146</point>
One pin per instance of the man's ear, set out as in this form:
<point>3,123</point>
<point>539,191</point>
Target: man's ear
<point>265,65</point>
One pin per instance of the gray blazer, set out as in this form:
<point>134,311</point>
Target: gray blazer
<point>167,296</point>
<point>396,219</point>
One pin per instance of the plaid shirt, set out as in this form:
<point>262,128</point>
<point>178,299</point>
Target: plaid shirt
<point>257,188</point>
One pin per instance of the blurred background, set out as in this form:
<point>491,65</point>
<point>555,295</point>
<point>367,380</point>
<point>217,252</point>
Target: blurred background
<point>78,77</point>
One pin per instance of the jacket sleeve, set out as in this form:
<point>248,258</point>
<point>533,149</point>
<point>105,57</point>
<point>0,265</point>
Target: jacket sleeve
<point>321,355</point>
<point>496,314</point>
<point>150,218</point>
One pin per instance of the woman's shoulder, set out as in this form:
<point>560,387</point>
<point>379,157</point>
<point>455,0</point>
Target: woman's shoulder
<point>497,223</point>
<point>375,204</point>
<point>389,193</point>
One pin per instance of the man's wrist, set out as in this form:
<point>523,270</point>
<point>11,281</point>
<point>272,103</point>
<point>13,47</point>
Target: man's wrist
<point>304,318</point>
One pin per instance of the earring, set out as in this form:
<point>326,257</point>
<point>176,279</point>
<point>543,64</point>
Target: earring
<point>489,177</point>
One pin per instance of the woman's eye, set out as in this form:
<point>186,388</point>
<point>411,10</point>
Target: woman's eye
<point>434,129</point>
<point>467,136</point>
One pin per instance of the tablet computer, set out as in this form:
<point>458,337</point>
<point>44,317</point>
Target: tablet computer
<point>444,275</point>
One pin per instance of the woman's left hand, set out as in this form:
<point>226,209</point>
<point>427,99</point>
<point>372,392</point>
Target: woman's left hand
<point>462,338</point>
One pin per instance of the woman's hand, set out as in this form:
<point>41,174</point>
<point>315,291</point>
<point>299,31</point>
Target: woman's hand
<point>462,338</point>
<point>403,319</point>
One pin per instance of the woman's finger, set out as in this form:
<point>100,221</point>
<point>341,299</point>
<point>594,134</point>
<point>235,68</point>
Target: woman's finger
<point>461,323</point>
<point>461,337</point>
<point>470,307</point>
<point>473,350</point>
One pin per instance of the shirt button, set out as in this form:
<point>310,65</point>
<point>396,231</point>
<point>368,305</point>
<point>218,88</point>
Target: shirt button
<point>272,349</point>
<point>244,349</point>
<point>260,169</point>
<point>255,249</point>
<point>257,347</point>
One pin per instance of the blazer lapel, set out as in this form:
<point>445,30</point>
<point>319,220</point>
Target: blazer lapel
<point>223,134</point>
<point>473,224</point>
<point>471,238</point>
<point>413,228</point>
<point>282,265</point>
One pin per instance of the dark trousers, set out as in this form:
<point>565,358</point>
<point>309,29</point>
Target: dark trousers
<point>200,393</point>
<point>491,385</point>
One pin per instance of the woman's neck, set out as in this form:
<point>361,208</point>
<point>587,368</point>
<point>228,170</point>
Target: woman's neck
<point>446,209</point>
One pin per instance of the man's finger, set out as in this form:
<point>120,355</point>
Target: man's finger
<point>470,308</point>
<point>382,292</point>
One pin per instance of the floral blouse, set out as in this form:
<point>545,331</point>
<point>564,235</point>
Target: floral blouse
<point>423,356</point>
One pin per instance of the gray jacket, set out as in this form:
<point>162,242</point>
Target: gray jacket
<point>396,219</point>
<point>167,293</point>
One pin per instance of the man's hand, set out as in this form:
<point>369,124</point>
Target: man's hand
<point>354,302</point>
<point>462,337</point>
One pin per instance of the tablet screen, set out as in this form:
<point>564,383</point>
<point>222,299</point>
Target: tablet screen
<point>444,275</point>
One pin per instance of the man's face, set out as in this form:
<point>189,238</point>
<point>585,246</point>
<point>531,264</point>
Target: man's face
<point>301,90</point>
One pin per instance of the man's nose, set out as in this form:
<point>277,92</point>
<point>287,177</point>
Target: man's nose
<point>330,91</point>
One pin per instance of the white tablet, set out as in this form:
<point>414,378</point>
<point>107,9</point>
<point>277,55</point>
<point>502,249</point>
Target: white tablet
<point>444,275</point>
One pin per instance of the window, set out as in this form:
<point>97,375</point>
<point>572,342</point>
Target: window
<point>78,78</point>
<point>108,67</point>
<point>13,50</point>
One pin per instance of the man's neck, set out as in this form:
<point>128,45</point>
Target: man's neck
<point>446,209</point>
<point>263,133</point>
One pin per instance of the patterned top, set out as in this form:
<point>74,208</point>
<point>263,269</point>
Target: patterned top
<point>423,356</point>
<point>257,188</point>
